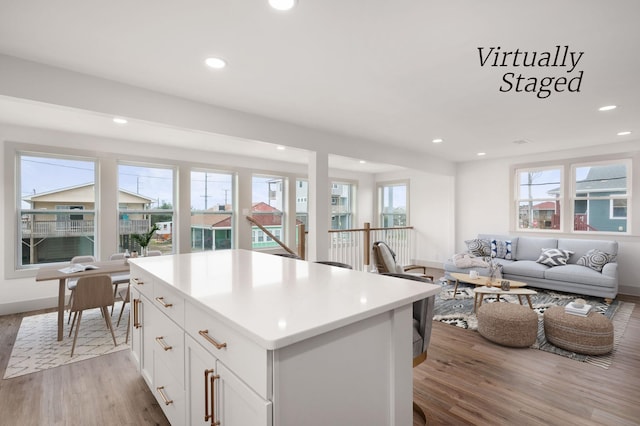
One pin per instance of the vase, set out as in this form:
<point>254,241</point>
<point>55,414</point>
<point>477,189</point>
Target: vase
<point>144,251</point>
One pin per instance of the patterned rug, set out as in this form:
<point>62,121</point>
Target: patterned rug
<point>36,347</point>
<point>459,312</point>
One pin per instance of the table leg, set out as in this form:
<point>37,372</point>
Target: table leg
<point>529,300</point>
<point>455,289</point>
<point>61,307</point>
<point>479,296</point>
<point>520,298</point>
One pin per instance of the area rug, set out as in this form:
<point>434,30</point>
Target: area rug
<point>459,312</point>
<point>36,347</point>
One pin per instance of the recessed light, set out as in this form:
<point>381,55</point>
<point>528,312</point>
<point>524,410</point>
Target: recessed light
<point>215,63</point>
<point>119,120</point>
<point>363,162</point>
<point>624,133</point>
<point>280,148</point>
<point>480,154</point>
<point>282,4</point>
<point>437,140</point>
<point>607,108</point>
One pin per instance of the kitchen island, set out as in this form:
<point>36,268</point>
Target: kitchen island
<point>246,338</point>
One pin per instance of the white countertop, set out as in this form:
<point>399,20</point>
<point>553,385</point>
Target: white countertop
<point>277,301</point>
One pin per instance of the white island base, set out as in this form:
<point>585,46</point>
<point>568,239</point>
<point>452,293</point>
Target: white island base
<point>318,345</point>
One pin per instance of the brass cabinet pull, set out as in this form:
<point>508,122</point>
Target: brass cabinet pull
<point>207,416</point>
<point>136,314</point>
<point>163,303</point>
<point>162,343</point>
<point>205,334</point>
<point>137,281</point>
<point>214,422</point>
<point>166,400</point>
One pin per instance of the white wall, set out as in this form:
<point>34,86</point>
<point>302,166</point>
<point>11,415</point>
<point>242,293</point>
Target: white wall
<point>431,213</point>
<point>483,200</point>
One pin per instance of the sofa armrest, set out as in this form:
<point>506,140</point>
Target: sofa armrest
<point>611,270</point>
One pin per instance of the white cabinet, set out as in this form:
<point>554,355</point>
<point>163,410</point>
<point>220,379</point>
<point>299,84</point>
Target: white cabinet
<point>140,335</point>
<point>217,396</point>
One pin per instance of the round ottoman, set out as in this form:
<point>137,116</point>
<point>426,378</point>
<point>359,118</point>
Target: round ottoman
<point>590,335</point>
<point>508,324</point>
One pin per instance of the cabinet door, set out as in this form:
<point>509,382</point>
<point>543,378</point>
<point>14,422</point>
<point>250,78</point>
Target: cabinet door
<point>199,371</point>
<point>141,337</point>
<point>237,404</point>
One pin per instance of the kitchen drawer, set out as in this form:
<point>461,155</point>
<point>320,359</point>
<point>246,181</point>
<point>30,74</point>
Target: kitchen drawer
<point>169,301</point>
<point>168,345</point>
<point>237,352</point>
<point>169,393</point>
<point>142,281</point>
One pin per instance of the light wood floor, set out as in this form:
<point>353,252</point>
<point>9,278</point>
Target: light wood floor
<point>465,381</point>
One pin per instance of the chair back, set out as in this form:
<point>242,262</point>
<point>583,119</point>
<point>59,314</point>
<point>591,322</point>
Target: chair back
<point>117,256</point>
<point>332,263</point>
<point>92,292</point>
<point>83,259</point>
<point>154,253</point>
<point>384,258</point>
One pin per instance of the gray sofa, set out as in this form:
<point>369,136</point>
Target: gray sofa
<point>571,278</point>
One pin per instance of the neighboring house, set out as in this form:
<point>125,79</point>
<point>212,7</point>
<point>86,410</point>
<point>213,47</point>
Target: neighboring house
<point>64,223</point>
<point>603,214</point>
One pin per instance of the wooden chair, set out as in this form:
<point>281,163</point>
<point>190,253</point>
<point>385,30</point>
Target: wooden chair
<point>385,261</point>
<point>71,283</point>
<point>92,292</point>
<point>422,324</point>
<point>124,294</point>
<point>332,263</point>
<point>118,279</point>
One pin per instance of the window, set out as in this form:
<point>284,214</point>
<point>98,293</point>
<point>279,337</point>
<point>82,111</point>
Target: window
<point>267,208</point>
<point>145,198</point>
<point>539,198</point>
<point>211,210</point>
<point>56,209</point>
<point>598,200</point>
<point>601,191</point>
<point>342,196</point>
<point>392,206</point>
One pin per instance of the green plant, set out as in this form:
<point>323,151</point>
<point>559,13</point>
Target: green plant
<point>144,239</point>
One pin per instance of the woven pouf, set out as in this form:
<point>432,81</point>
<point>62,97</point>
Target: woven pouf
<point>508,324</point>
<point>591,335</point>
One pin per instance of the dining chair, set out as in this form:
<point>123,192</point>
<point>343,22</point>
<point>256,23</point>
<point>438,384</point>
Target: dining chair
<point>92,292</point>
<point>72,282</point>
<point>154,253</point>
<point>385,261</point>
<point>118,279</point>
<point>124,294</point>
<point>333,263</point>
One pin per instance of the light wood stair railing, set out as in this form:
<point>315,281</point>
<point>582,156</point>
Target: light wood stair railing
<point>301,239</point>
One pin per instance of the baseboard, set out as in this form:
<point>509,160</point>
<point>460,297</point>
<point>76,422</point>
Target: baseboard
<point>629,290</point>
<point>28,305</point>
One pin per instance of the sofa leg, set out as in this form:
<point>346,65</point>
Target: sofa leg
<point>608,300</point>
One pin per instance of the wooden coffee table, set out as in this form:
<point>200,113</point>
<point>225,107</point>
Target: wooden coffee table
<point>480,292</point>
<point>481,281</point>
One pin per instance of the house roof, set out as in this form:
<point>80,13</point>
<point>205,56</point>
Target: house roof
<point>65,195</point>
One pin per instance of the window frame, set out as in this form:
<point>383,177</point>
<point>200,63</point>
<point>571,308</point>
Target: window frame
<point>380,186</point>
<point>351,213</point>
<point>232,213</point>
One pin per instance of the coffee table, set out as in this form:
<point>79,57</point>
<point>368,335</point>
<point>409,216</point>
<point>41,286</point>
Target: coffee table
<point>481,281</point>
<point>480,292</point>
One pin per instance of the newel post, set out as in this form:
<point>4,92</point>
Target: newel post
<point>367,243</point>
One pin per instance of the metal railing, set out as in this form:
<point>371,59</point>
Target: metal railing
<point>76,228</point>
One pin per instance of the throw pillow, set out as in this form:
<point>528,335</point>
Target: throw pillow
<point>595,259</point>
<point>554,257</point>
<point>478,247</point>
<point>501,249</point>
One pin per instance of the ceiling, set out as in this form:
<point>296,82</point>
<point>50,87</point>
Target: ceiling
<point>399,72</point>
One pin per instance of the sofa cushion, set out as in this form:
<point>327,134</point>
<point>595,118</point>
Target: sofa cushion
<point>529,247</point>
<point>581,247</point>
<point>525,268</point>
<point>554,257</point>
<point>579,274</point>
<point>501,249</point>
<point>595,259</point>
<point>479,247</point>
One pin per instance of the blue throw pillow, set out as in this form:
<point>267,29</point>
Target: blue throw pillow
<point>501,249</point>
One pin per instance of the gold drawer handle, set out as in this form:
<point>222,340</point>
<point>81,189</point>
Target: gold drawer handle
<point>166,400</point>
<point>162,343</point>
<point>205,334</point>
<point>136,313</point>
<point>137,281</point>
<point>163,303</point>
